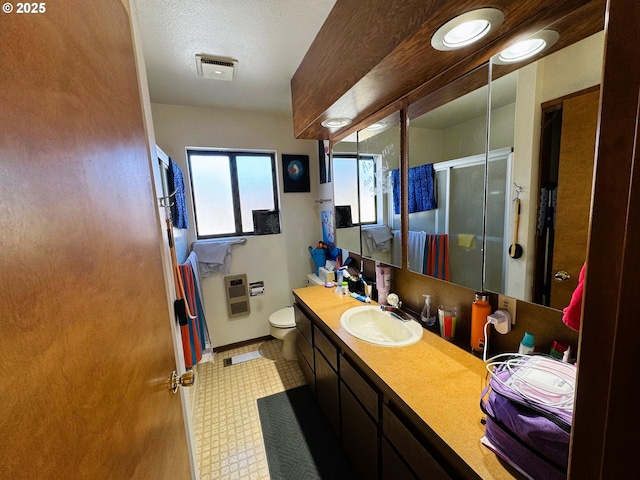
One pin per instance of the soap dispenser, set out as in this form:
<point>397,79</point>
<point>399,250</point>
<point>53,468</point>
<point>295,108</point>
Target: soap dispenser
<point>426,316</point>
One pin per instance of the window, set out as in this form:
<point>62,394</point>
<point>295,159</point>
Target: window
<point>227,186</point>
<point>345,176</point>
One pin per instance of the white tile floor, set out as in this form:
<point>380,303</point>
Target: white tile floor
<point>227,425</point>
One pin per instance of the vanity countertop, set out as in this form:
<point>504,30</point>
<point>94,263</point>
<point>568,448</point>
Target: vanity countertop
<point>440,382</point>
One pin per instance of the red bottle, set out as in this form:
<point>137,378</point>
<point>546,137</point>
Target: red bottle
<point>480,310</point>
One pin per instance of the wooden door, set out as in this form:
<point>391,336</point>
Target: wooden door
<point>575,176</point>
<point>85,329</point>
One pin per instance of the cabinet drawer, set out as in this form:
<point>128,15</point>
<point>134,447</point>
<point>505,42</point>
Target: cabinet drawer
<point>304,324</point>
<point>305,348</point>
<point>410,448</point>
<point>360,387</point>
<point>327,348</point>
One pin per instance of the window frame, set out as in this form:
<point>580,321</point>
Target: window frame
<point>232,155</point>
<point>357,157</point>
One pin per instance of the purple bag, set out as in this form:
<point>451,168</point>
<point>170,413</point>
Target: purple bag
<point>531,436</point>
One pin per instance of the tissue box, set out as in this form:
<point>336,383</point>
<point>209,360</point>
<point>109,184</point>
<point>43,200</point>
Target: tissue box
<point>326,275</point>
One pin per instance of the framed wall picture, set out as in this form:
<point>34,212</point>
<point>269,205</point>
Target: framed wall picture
<point>295,173</point>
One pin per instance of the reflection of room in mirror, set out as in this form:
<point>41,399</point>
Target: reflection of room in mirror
<point>363,164</point>
<point>548,80</point>
<point>445,239</point>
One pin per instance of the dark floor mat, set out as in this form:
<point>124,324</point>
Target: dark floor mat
<point>299,441</point>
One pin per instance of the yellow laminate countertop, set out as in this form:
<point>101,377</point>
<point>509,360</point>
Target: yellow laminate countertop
<point>440,382</point>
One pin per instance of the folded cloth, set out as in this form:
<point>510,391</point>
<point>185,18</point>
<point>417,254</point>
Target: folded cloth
<point>467,240</point>
<point>378,238</point>
<point>213,257</point>
<point>572,314</point>
<point>175,183</point>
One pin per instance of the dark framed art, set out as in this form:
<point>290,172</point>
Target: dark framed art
<point>295,173</point>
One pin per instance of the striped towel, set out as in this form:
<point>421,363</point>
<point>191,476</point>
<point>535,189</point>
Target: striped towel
<point>436,256</point>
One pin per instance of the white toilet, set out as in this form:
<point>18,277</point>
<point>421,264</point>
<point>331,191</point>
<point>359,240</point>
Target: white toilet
<point>283,327</point>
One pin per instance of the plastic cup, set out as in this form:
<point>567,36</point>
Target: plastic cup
<point>448,318</point>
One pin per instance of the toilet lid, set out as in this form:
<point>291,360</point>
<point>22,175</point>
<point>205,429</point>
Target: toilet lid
<point>284,318</point>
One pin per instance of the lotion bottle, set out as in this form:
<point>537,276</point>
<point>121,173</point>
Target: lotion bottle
<point>527,345</point>
<point>480,310</point>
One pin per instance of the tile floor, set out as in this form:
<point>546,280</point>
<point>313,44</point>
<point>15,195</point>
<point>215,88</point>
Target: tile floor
<point>226,421</point>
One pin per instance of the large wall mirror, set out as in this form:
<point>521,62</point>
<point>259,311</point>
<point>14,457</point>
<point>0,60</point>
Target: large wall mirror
<point>366,168</point>
<point>447,152</point>
<point>547,110</point>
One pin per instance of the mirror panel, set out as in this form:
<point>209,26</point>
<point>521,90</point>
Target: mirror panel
<point>447,152</point>
<point>379,190</point>
<point>344,159</point>
<point>534,170</point>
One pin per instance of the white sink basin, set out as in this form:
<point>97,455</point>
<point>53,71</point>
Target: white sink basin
<point>373,325</point>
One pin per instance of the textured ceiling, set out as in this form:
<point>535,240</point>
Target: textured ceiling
<point>269,38</point>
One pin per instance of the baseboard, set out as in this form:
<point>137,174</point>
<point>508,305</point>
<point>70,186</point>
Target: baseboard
<point>231,346</point>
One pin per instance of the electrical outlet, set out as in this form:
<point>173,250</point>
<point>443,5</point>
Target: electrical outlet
<point>508,304</point>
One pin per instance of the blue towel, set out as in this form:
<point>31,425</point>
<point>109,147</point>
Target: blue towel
<point>421,188</point>
<point>395,183</point>
<point>421,194</point>
<point>175,182</point>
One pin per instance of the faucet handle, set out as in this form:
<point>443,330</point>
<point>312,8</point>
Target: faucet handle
<point>394,300</point>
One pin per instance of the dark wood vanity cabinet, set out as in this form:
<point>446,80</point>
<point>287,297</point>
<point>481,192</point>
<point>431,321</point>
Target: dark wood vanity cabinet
<point>327,386</point>
<point>405,447</point>
<point>379,441</point>
<point>359,404</point>
<point>304,344</point>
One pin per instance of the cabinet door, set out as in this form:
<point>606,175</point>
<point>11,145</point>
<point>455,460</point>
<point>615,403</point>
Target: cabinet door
<point>327,391</point>
<point>393,467</point>
<point>412,449</point>
<point>359,435</point>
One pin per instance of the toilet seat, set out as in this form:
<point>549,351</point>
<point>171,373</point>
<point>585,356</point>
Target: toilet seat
<point>283,318</point>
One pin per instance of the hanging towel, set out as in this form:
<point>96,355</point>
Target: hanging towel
<point>421,189</point>
<point>213,257</point>
<point>192,260</point>
<point>467,240</point>
<point>193,331</point>
<point>395,185</point>
<point>378,238</point>
<point>175,183</point>
<point>572,314</point>
<point>436,256</point>
<point>416,245</point>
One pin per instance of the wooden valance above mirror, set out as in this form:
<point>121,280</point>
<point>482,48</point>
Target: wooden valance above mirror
<point>364,59</point>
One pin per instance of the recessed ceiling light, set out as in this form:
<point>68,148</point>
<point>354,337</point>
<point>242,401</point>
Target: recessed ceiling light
<point>466,29</point>
<point>527,48</point>
<point>377,126</point>
<point>336,122</point>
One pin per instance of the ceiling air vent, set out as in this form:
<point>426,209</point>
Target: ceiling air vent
<point>216,68</point>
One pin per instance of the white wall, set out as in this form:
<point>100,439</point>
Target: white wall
<point>281,261</point>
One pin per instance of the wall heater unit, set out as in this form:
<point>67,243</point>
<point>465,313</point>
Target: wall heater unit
<point>237,290</point>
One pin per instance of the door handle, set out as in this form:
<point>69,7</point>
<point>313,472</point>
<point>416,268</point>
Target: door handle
<point>187,379</point>
<point>561,276</point>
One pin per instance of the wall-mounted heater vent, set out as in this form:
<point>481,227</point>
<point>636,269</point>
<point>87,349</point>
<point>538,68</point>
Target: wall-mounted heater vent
<point>237,290</point>
<point>216,68</point>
